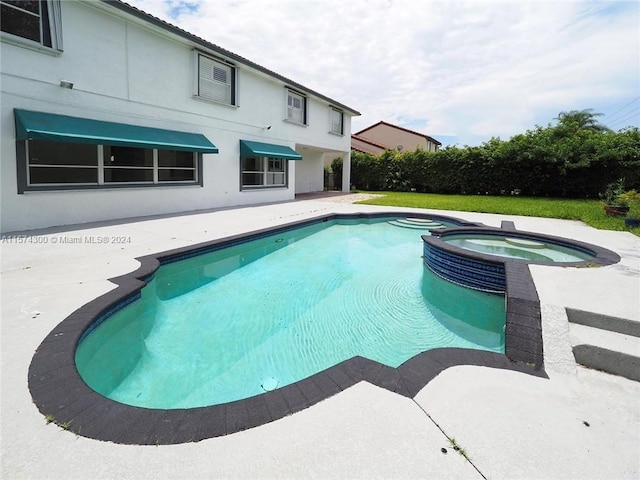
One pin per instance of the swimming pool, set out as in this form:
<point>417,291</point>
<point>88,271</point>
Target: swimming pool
<point>63,396</point>
<point>256,316</point>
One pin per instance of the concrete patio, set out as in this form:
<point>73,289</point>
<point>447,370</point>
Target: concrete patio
<point>579,423</point>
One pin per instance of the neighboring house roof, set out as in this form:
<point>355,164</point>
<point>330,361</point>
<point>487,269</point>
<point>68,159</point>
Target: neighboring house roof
<point>136,12</point>
<point>363,145</point>
<point>427,137</point>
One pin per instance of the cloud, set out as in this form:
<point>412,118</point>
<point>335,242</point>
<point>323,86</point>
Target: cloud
<point>465,70</point>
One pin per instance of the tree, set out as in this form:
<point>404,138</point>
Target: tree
<point>574,121</point>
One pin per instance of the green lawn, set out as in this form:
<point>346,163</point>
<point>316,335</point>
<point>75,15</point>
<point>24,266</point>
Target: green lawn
<point>590,212</point>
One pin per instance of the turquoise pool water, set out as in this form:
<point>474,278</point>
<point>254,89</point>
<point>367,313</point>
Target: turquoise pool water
<point>237,322</point>
<point>517,247</point>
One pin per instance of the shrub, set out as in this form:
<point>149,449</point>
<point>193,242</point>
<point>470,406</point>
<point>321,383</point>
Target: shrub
<point>552,161</point>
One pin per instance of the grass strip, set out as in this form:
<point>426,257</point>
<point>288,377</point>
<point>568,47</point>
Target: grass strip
<point>590,212</point>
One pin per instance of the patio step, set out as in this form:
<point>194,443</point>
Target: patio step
<point>606,350</point>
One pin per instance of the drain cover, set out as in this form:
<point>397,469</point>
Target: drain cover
<point>269,384</point>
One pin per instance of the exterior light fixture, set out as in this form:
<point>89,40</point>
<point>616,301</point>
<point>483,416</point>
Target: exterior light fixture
<point>66,84</point>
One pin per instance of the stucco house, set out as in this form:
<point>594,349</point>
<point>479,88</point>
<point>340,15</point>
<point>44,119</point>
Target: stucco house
<point>385,136</point>
<point>108,112</point>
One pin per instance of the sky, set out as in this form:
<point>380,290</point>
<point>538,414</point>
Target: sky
<point>459,71</point>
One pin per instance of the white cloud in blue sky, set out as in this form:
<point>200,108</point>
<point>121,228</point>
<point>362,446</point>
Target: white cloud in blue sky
<point>460,71</point>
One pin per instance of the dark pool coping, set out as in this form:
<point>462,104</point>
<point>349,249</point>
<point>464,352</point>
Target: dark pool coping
<point>64,398</point>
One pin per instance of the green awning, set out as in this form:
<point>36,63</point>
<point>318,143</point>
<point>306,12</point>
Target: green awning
<point>61,128</point>
<point>258,149</point>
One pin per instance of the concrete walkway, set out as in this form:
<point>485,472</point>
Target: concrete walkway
<point>578,423</point>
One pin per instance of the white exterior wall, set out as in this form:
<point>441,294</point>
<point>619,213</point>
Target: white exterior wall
<point>310,172</point>
<point>128,72</point>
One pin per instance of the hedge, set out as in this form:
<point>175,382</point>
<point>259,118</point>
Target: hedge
<point>543,162</point>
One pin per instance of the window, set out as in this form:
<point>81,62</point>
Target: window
<point>38,21</point>
<point>337,118</point>
<point>127,165</point>
<point>296,107</point>
<point>216,80</point>
<point>263,172</point>
<point>174,166</point>
<point>57,164</point>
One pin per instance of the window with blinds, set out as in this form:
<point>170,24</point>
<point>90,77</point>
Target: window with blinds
<point>296,107</point>
<point>216,80</point>
<point>337,120</point>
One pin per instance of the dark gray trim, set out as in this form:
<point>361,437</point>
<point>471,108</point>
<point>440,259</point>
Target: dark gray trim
<point>234,85</point>
<point>265,187</point>
<point>199,166</point>
<point>219,50</point>
<point>58,390</point>
<point>110,186</point>
<point>306,110</point>
<point>21,165</point>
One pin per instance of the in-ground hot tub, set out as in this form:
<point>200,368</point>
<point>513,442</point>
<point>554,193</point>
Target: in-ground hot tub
<point>497,261</point>
<point>519,247</point>
<point>476,257</point>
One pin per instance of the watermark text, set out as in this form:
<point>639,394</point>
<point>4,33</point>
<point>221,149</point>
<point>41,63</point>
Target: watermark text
<point>65,239</point>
